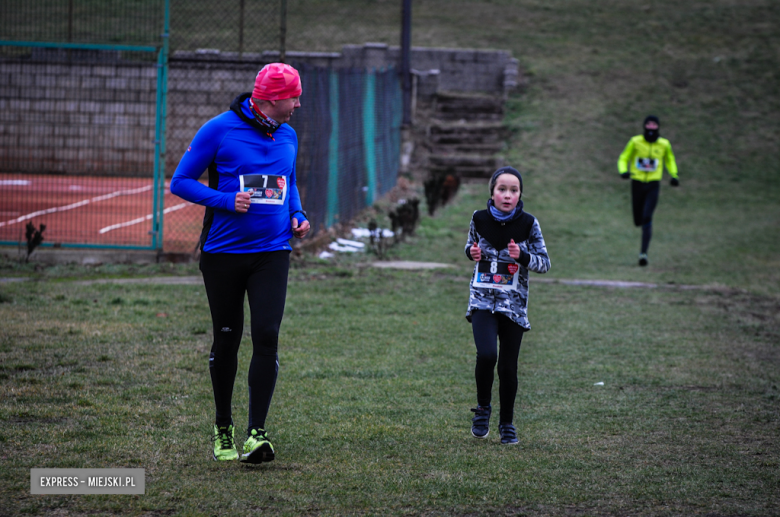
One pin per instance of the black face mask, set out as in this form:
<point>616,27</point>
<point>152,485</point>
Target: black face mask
<point>651,135</point>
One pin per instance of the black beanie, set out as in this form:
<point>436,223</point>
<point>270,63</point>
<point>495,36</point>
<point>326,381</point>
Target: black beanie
<point>650,118</point>
<point>505,170</point>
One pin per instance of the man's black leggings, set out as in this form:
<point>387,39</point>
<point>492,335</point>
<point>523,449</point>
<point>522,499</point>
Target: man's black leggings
<point>227,276</point>
<point>487,326</point>
<point>644,198</point>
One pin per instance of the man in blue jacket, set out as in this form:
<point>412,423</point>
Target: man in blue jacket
<point>253,209</point>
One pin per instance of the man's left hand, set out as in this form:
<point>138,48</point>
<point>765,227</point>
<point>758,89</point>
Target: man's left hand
<point>302,230</point>
<point>674,182</point>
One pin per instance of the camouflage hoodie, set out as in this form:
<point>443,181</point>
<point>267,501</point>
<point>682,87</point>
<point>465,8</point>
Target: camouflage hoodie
<point>493,238</point>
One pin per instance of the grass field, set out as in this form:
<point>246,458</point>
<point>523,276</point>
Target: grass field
<point>371,411</point>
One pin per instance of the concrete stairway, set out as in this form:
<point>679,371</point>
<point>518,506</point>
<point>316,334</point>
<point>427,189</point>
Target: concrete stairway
<point>463,135</point>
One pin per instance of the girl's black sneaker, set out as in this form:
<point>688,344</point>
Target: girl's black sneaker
<point>508,434</point>
<point>480,424</point>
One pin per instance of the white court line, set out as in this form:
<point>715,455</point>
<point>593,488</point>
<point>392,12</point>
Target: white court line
<point>76,205</point>
<point>141,219</point>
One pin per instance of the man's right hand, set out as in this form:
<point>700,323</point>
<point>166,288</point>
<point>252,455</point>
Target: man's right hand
<point>625,175</point>
<point>475,252</point>
<point>243,201</point>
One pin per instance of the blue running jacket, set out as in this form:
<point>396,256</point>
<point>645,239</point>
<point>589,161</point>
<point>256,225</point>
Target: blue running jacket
<point>240,155</point>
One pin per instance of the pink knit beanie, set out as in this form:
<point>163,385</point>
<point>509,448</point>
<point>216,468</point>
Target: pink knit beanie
<point>277,81</point>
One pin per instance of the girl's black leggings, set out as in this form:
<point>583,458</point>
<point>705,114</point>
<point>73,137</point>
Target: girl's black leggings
<point>263,277</point>
<point>488,328</point>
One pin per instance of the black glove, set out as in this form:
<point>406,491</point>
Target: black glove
<point>625,175</point>
<point>674,182</point>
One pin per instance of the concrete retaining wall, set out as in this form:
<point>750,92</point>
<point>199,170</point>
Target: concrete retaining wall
<point>99,118</point>
<point>461,70</point>
<point>76,117</point>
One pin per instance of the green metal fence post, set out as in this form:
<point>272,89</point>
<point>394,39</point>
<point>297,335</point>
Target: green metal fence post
<point>158,204</point>
<point>333,152</point>
<point>369,135</point>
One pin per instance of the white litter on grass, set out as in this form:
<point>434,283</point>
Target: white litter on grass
<point>365,233</point>
<point>325,255</point>
<point>599,384</point>
<point>344,249</point>
<point>354,244</point>
<point>350,246</point>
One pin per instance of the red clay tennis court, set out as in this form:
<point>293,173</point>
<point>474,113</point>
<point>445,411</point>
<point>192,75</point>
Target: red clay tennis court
<point>94,211</point>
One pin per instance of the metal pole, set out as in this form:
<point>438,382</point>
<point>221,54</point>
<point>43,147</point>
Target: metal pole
<point>283,32</point>
<point>70,27</point>
<point>158,202</point>
<point>241,29</point>
<point>164,119</point>
<point>70,21</point>
<point>406,76</point>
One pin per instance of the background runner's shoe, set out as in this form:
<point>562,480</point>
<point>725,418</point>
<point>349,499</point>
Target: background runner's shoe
<point>257,448</point>
<point>643,259</point>
<point>224,444</point>
<point>480,424</point>
<point>508,434</point>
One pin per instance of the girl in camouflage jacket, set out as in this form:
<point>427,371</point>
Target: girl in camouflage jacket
<point>506,243</point>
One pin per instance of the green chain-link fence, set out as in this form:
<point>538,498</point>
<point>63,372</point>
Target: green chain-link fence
<point>83,126</point>
<point>228,25</point>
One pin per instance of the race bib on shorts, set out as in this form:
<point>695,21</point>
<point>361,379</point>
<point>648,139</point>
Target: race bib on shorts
<point>268,189</point>
<point>646,164</point>
<point>494,274</point>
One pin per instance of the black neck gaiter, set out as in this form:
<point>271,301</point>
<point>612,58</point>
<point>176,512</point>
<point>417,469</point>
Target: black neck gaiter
<point>651,135</point>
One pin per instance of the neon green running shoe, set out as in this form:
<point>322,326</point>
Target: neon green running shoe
<point>257,448</point>
<point>224,444</point>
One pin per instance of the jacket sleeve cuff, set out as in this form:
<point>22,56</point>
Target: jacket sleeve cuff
<point>298,214</point>
<point>524,259</point>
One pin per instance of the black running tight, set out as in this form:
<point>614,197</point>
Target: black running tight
<point>263,277</point>
<point>644,198</point>
<point>488,328</point>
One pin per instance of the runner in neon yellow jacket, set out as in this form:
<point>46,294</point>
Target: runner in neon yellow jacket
<point>643,161</point>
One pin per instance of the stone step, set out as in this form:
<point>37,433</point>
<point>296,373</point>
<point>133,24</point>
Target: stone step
<point>463,124</point>
<point>470,159</point>
<point>465,134</point>
<point>463,171</point>
<point>468,115</point>
<point>466,147</point>
<point>466,139</point>
<point>454,106</point>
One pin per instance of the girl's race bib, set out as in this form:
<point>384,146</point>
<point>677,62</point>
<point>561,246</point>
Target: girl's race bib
<point>494,274</point>
<point>268,189</point>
